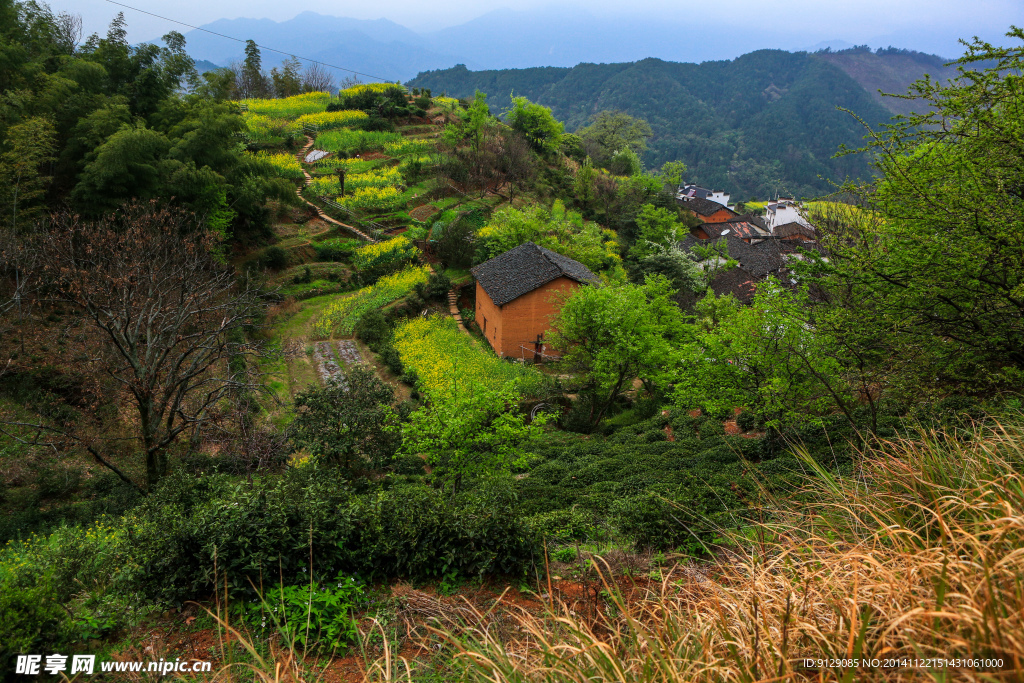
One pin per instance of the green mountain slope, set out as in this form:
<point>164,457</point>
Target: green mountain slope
<point>890,71</point>
<point>763,123</point>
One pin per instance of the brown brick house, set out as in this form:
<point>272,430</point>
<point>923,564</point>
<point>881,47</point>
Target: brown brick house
<point>706,210</point>
<point>516,297</point>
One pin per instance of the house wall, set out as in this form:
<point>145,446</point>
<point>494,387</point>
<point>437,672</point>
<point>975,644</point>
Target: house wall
<point>720,216</point>
<point>518,322</point>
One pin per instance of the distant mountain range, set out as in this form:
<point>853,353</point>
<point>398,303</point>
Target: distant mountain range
<point>501,39</point>
<point>767,122</point>
<point>756,124</point>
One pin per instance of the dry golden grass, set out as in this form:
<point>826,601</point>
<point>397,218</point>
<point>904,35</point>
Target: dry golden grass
<point>920,555</point>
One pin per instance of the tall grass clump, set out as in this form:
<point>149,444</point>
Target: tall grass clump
<point>913,567</point>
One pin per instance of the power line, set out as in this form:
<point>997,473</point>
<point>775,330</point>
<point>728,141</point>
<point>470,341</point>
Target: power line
<point>262,47</point>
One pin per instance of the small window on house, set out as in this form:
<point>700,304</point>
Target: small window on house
<point>485,325</point>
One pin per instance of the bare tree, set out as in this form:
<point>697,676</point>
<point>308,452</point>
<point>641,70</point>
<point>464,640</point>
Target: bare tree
<point>316,78</point>
<point>349,82</point>
<point>517,163</point>
<point>165,322</point>
<point>69,30</point>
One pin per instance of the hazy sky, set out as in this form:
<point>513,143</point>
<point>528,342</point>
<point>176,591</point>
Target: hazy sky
<point>916,24</point>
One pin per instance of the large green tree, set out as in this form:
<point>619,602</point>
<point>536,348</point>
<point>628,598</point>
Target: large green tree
<point>614,132</point>
<point>537,124</point>
<point>349,423</point>
<point>936,253</point>
<point>614,334</point>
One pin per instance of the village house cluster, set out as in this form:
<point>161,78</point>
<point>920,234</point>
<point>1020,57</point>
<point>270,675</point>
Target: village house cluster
<point>516,291</point>
<point>761,245</point>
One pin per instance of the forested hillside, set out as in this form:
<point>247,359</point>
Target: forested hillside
<point>766,122</point>
<point>363,384</point>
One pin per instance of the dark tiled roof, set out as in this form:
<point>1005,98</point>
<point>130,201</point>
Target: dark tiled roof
<point>796,246</point>
<point>737,282</point>
<point>794,228</point>
<point>741,228</point>
<point>704,207</point>
<point>751,218</point>
<point>757,259</point>
<point>521,270</point>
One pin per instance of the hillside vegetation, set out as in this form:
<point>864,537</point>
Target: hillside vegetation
<point>764,123</point>
<point>256,426</point>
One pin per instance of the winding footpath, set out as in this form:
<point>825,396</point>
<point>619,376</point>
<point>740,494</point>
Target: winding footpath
<point>301,157</point>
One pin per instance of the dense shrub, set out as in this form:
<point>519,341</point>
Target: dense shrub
<point>275,258</point>
<point>262,529</point>
<point>746,420</point>
<point>373,328</point>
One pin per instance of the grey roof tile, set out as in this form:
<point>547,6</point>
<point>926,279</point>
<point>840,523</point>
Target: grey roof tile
<point>521,270</point>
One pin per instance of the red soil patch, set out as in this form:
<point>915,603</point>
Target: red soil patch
<point>372,156</point>
<point>422,213</point>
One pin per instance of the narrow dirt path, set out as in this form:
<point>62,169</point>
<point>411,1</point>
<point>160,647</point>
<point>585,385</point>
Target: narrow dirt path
<point>301,156</point>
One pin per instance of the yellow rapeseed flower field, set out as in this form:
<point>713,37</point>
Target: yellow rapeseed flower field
<point>341,316</point>
<point>326,120</point>
<point>290,107</point>
<point>447,362</point>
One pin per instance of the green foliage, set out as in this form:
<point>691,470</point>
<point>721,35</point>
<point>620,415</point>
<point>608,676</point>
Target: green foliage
<point>348,423</point>
<point>572,147</point>
<point>764,357</point>
<point>625,162</point>
<point>556,229</point>
<point>616,333</point>
<point>541,129</point>
<point>314,614</point>
<point>659,227</point>
<point>30,147</point>
<point>373,328</point>
<point>934,261</point>
<point>275,258</point>
<point>614,138</point>
<point>474,123</point>
<point>336,249</point>
<point>673,172</point>
<point>763,123</point>
<point>262,528</point>
<point>349,142</point>
<point>471,433</point>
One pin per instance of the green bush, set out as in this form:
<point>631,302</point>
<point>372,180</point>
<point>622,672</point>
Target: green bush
<point>261,529</point>
<point>33,620</point>
<point>746,420</point>
<point>312,613</point>
<point>337,249</point>
<point>373,328</point>
<point>275,258</point>
<point>409,465</point>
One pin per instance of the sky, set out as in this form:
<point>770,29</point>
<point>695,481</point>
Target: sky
<point>926,25</point>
